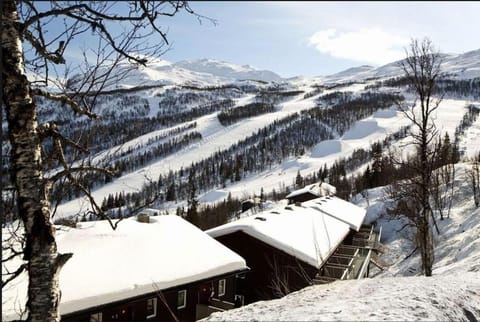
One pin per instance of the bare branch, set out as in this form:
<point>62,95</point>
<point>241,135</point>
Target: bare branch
<point>82,169</point>
<point>13,275</point>
<point>65,100</point>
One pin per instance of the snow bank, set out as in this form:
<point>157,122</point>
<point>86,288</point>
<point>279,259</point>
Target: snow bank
<point>443,298</point>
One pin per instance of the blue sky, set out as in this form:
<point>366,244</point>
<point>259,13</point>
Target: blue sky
<point>320,38</point>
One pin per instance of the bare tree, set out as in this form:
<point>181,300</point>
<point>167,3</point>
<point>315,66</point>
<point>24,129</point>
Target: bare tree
<point>421,68</point>
<point>37,38</point>
<point>442,189</point>
<point>283,276</point>
<point>443,178</point>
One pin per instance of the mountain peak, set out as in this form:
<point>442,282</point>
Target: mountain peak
<point>225,69</point>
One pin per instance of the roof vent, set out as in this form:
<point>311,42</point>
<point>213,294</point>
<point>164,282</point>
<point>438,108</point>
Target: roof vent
<point>275,212</point>
<point>260,218</point>
<point>288,208</point>
<point>141,217</point>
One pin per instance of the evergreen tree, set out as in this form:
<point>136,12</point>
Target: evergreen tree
<point>299,180</point>
<point>192,212</point>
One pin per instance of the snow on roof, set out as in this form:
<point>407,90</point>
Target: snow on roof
<point>340,209</point>
<point>135,259</point>
<point>310,232</point>
<point>150,212</point>
<point>318,189</point>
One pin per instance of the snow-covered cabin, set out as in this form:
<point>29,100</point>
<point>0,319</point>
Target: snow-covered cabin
<point>133,273</point>
<point>316,190</point>
<point>286,247</point>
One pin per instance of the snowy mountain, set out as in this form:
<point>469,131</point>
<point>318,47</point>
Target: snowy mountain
<point>202,72</point>
<point>460,66</point>
<point>228,70</point>
<point>353,73</point>
<point>211,72</point>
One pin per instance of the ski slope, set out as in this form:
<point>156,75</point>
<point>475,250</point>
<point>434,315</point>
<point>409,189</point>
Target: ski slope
<point>216,137</point>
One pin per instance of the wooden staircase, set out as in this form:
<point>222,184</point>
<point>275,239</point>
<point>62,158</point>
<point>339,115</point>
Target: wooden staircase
<point>337,265</point>
<point>349,258</point>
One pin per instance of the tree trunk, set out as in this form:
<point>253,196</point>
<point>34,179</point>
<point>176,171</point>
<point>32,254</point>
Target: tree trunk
<point>44,263</point>
<point>425,243</point>
<point>426,246</point>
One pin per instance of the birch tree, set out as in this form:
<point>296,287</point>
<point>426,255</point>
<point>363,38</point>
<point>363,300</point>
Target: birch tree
<point>421,68</point>
<point>34,44</point>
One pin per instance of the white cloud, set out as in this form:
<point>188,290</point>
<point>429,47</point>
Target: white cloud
<point>371,45</point>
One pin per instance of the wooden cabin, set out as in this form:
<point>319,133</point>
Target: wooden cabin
<point>286,247</point>
<point>310,192</point>
<point>160,269</point>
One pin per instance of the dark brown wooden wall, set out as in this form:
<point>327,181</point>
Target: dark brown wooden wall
<point>260,257</point>
<point>135,309</point>
<point>302,197</point>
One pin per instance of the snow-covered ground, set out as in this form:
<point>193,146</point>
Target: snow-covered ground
<point>443,298</point>
<point>400,293</point>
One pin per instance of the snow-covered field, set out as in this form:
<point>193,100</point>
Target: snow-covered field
<point>399,293</point>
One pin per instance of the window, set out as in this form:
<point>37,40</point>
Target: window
<point>151,307</point>
<point>221,287</point>
<point>96,317</point>
<point>182,299</point>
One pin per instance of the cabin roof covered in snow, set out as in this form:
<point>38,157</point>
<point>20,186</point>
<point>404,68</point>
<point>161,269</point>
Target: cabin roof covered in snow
<point>317,189</point>
<point>340,209</point>
<point>310,232</point>
<point>137,258</point>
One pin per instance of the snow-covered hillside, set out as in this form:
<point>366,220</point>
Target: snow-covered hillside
<point>216,137</point>
<point>461,66</point>
<point>211,71</point>
<point>400,292</point>
<point>192,94</point>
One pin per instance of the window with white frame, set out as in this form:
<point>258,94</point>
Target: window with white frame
<point>151,307</point>
<point>182,299</point>
<point>96,317</point>
<point>221,287</point>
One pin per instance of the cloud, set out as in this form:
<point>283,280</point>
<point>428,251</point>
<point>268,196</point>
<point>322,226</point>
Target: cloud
<point>371,45</point>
